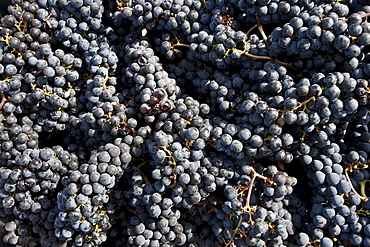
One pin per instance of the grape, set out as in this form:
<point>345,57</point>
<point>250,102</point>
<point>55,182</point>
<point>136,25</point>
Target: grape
<point>326,242</point>
<point>184,178</point>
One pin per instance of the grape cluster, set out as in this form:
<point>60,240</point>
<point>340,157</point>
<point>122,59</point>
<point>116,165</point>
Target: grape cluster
<point>185,123</point>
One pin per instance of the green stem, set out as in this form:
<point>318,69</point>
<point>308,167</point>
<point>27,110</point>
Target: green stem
<point>236,229</point>
<point>260,28</point>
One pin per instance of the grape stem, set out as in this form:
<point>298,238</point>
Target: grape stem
<point>362,16</point>
<point>247,208</point>
<point>235,231</point>
<point>47,20</point>
<point>3,100</point>
<point>362,188</point>
<point>6,40</point>
<point>289,65</point>
<point>364,198</point>
<point>260,29</point>
<point>181,45</point>
<point>250,30</point>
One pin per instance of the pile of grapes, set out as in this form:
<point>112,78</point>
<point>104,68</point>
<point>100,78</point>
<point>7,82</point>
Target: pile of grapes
<point>192,123</point>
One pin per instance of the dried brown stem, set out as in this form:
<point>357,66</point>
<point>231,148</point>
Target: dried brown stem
<point>362,16</point>
<point>3,100</point>
<point>250,30</point>
<point>181,45</point>
<point>352,188</point>
<point>247,206</point>
<point>289,65</point>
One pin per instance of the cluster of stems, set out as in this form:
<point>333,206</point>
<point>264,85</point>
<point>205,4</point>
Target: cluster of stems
<point>248,209</point>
